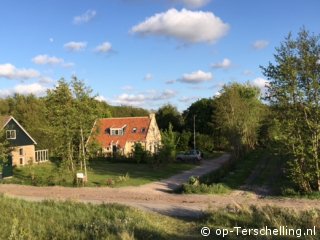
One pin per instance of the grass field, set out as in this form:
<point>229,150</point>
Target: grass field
<point>258,169</point>
<point>69,220</point>
<point>100,173</point>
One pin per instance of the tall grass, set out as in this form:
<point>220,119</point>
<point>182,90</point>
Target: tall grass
<point>70,220</point>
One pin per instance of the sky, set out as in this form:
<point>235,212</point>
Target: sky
<point>144,53</point>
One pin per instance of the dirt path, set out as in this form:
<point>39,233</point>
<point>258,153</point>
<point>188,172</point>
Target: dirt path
<point>154,196</point>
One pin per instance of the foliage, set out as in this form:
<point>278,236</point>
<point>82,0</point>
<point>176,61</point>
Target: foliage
<point>139,153</point>
<point>167,151</point>
<point>168,114</point>
<point>99,170</point>
<point>203,110</point>
<point>240,114</point>
<point>294,94</point>
<point>259,217</point>
<point>184,140</point>
<point>203,188</point>
<point>4,149</point>
<point>71,220</point>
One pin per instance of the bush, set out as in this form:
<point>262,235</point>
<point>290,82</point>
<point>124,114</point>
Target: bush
<point>205,189</point>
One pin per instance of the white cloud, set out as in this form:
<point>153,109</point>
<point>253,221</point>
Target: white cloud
<point>260,44</point>
<point>260,82</point>
<point>192,3</point>
<point>185,25</point>
<point>196,77</point>
<point>45,80</point>
<point>45,59</point>
<point>100,98</point>
<point>144,98</point>
<point>104,47</point>
<point>84,18</point>
<point>148,77</point>
<point>9,71</point>
<point>187,99</point>
<point>225,64</point>
<point>75,46</point>
<point>24,89</point>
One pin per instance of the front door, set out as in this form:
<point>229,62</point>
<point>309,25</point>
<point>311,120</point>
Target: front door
<point>7,168</point>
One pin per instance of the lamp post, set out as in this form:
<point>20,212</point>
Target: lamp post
<point>194,132</point>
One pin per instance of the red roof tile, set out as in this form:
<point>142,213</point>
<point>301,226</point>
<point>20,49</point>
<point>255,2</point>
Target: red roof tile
<point>105,139</point>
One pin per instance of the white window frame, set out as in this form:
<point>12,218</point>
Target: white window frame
<point>9,134</point>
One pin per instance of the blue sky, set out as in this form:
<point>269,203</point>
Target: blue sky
<point>144,53</point>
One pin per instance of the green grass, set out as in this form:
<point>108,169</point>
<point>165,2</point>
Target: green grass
<point>242,169</point>
<point>69,220</point>
<point>100,173</point>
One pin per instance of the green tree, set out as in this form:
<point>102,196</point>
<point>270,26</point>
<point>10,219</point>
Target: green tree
<point>169,145</point>
<point>294,93</point>
<point>168,114</point>
<point>61,117</point>
<point>239,112</point>
<point>4,149</point>
<point>203,109</point>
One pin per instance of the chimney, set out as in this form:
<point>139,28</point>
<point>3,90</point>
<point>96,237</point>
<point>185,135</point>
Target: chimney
<point>152,115</point>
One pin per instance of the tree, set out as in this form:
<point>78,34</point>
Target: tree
<point>168,114</point>
<point>294,93</point>
<point>4,148</point>
<point>61,117</point>
<point>239,112</point>
<point>203,109</point>
<point>169,145</point>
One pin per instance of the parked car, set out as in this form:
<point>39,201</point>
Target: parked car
<point>194,156</point>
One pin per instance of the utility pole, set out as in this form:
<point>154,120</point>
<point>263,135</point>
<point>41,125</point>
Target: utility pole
<point>194,132</point>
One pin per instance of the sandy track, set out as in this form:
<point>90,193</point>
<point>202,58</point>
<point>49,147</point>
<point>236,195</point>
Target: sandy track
<point>155,196</point>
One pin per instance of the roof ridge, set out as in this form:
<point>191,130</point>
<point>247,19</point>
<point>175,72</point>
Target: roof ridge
<point>124,117</point>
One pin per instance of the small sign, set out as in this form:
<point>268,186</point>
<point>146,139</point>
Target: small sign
<point>80,175</point>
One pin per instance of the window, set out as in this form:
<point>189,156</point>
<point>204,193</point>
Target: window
<point>21,151</point>
<point>143,130</point>
<point>11,134</point>
<point>21,161</point>
<point>116,131</point>
<point>134,130</point>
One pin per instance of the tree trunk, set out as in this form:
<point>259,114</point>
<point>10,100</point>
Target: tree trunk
<point>84,155</point>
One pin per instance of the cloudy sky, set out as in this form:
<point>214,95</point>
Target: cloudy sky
<point>144,52</point>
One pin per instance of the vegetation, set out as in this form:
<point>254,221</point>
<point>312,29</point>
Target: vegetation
<point>100,171</point>
<point>287,124</point>
<point>70,220</point>
<point>294,95</point>
<point>4,149</point>
<point>240,113</point>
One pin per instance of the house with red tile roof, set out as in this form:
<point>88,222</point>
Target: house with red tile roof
<point>120,134</point>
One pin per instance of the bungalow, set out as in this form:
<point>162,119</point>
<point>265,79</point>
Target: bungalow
<point>118,135</point>
<point>22,143</point>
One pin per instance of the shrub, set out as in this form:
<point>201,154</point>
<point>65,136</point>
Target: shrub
<point>205,189</point>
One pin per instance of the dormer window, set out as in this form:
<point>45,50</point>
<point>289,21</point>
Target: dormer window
<point>11,134</point>
<point>117,131</point>
<point>143,130</point>
<point>134,130</point>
